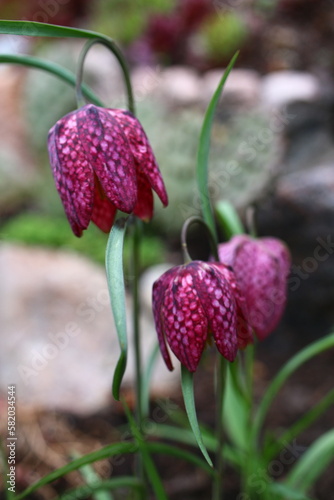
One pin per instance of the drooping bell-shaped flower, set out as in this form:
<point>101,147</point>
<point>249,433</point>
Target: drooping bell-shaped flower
<point>261,267</point>
<point>102,162</point>
<point>192,302</point>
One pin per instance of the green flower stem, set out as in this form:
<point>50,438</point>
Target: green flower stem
<point>137,232</point>
<point>188,222</point>
<point>110,44</point>
<point>217,491</point>
<point>136,318</point>
<point>52,68</point>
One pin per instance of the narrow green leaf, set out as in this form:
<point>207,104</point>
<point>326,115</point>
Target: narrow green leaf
<point>53,68</point>
<point>228,219</point>
<point>31,28</point>
<point>187,383</point>
<point>92,478</point>
<point>285,372</point>
<point>285,492</point>
<point>204,149</point>
<point>301,425</point>
<point>106,452</point>
<point>186,436</point>
<point>107,485</point>
<point>236,412</point>
<point>151,471</point>
<point>312,463</point>
<point>173,451</point>
<point>115,278</point>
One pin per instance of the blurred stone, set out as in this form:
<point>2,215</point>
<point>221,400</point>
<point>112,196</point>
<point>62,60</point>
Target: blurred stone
<point>180,86</point>
<point>283,87</point>
<point>147,279</point>
<point>242,86</point>
<point>58,340</point>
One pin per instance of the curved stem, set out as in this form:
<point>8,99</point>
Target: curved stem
<point>184,231</point>
<point>52,68</point>
<point>119,56</point>
<point>217,493</point>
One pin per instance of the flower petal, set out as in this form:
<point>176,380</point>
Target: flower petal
<point>142,151</point>
<point>104,211</point>
<point>107,149</point>
<point>244,330</point>
<point>72,173</point>
<point>144,206</point>
<point>184,319</point>
<point>217,300</point>
<point>261,267</point>
<point>227,251</point>
<point>159,289</point>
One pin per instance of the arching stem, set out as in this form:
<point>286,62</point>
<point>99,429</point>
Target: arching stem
<point>119,56</point>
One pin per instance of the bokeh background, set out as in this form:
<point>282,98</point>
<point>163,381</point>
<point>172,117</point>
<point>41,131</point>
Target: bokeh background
<point>272,156</point>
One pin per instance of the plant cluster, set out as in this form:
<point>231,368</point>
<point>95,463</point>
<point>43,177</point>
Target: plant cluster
<point>105,171</point>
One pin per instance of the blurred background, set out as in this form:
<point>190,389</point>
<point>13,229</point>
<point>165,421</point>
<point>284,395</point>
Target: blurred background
<point>272,156</point>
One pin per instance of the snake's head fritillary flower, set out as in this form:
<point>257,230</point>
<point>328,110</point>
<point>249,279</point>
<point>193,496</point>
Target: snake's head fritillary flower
<point>102,162</point>
<point>261,267</point>
<point>192,302</point>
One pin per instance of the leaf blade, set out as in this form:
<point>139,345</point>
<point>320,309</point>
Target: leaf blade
<point>33,28</point>
<point>189,401</point>
<point>312,463</point>
<point>204,150</point>
<point>116,287</point>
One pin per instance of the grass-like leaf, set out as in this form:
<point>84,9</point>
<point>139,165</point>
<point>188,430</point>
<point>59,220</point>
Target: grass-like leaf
<point>32,28</point>
<point>149,466</point>
<point>301,425</point>
<point>312,463</point>
<point>106,452</point>
<point>173,451</point>
<point>115,278</point>
<point>204,150</point>
<point>83,492</point>
<point>228,219</point>
<point>187,383</point>
<point>235,412</point>
<point>53,68</point>
<point>279,491</point>
<point>285,372</point>
<point>186,436</point>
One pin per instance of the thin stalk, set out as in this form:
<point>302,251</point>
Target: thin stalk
<point>136,338</point>
<point>188,222</point>
<point>110,44</point>
<point>217,491</point>
<point>251,453</point>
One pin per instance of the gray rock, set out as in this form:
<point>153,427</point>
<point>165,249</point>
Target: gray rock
<point>180,86</point>
<point>58,340</point>
<point>283,87</point>
<point>242,87</point>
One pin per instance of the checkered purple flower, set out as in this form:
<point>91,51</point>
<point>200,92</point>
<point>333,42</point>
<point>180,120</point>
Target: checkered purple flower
<point>261,267</point>
<point>102,162</point>
<point>192,302</point>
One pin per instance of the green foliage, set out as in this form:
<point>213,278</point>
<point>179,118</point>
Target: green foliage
<point>125,20</point>
<point>54,231</point>
<point>223,34</point>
